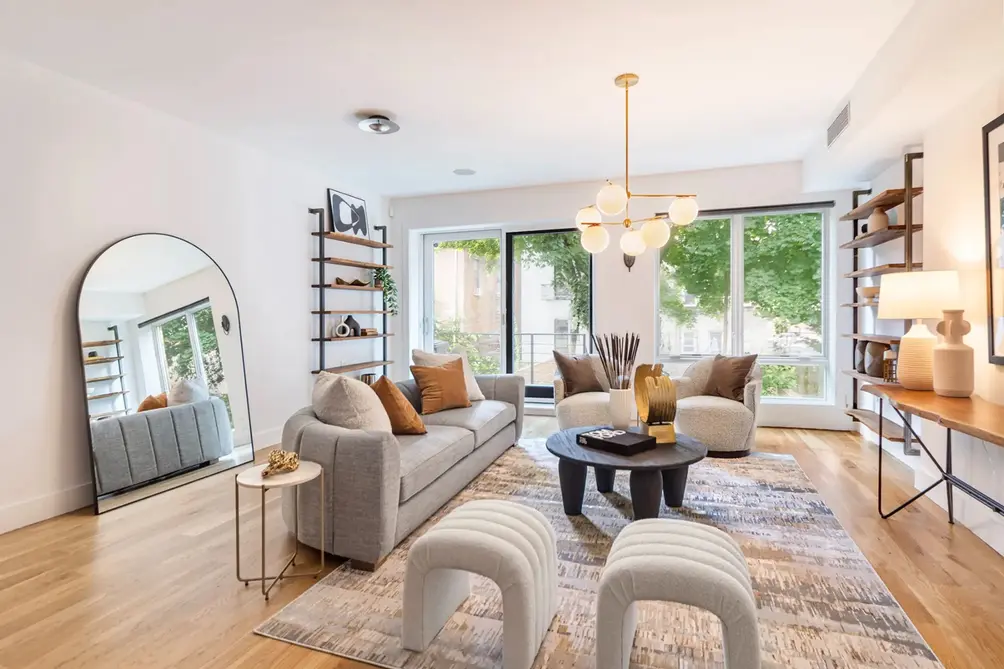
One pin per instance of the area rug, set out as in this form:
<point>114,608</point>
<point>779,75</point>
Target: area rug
<point>821,605</point>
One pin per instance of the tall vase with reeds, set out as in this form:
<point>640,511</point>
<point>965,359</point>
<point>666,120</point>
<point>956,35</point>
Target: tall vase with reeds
<point>617,355</point>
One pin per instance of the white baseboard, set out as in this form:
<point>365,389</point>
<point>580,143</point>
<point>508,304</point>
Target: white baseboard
<point>266,439</point>
<point>37,509</point>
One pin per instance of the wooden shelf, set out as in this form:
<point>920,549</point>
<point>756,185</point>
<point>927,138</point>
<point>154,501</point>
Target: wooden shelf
<point>355,367</point>
<point>349,312</point>
<point>352,239</point>
<point>974,415</point>
<point>877,338</point>
<point>337,287</point>
<point>890,430</point>
<point>107,395</point>
<point>108,414</point>
<point>887,199</point>
<point>101,361</point>
<point>103,342</point>
<point>347,262</point>
<point>873,239</point>
<point>99,379</point>
<point>891,268</point>
<point>859,305</point>
<point>877,380</point>
<point>378,336</point>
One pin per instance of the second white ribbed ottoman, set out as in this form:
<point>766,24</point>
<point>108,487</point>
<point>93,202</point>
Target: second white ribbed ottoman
<point>675,561</point>
<point>511,544</point>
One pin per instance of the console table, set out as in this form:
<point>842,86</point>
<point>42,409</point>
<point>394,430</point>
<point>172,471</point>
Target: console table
<point>973,416</point>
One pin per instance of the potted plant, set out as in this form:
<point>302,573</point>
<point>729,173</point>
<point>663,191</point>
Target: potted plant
<point>382,279</point>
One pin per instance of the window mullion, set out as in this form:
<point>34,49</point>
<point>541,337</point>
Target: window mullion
<point>737,288</point>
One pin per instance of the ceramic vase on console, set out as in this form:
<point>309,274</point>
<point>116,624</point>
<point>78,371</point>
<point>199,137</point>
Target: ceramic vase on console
<point>953,360</point>
<point>620,408</point>
<point>879,220</point>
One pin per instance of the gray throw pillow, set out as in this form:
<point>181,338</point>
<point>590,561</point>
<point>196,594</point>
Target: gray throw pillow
<point>187,391</point>
<point>345,402</point>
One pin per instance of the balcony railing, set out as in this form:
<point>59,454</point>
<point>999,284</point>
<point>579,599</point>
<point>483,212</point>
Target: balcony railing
<point>532,353</point>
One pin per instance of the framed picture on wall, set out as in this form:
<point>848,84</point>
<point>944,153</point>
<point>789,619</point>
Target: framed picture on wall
<point>347,214</point>
<point>993,194</point>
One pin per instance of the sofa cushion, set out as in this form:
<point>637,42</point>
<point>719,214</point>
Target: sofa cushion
<point>719,423</point>
<point>346,402</point>
<point>426,457</point>
<point>583,410</point>
<point>484,418</point>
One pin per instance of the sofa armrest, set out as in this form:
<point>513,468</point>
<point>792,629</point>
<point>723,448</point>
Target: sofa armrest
<point>751,396</point>
<point>362,472</point>
<point>685,387</point>
<point>509,388</point>
<point>559,388</point>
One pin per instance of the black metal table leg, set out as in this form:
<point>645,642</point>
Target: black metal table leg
<point>948,479</point>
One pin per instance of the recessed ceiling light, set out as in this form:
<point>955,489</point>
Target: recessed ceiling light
<point>378,125</point>
<point>464,172</point>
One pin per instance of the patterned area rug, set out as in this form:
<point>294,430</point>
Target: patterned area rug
<point>821,605</point>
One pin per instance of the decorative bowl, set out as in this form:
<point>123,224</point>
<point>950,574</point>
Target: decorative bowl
<point>868,294</point>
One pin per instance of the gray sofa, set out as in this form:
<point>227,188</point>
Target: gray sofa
<point>129,450</point>
<point>380,486</point>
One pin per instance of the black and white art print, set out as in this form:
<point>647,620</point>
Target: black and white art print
<point>993,184</point>
<point>347,214</point>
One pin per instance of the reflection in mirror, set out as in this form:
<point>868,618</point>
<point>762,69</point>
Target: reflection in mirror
<point>163,369</point>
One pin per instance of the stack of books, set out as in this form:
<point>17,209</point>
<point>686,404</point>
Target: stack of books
<point>368,332</point>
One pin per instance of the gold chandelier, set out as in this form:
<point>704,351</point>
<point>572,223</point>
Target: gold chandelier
<point>614,199</point>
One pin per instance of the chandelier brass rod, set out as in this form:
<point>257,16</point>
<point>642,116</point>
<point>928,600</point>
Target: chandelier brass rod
<point>661,194</point>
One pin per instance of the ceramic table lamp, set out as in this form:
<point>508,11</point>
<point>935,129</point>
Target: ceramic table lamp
<point>916,296</point>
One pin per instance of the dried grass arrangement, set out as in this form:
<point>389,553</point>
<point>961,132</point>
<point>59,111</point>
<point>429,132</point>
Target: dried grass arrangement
<point>617,354</point>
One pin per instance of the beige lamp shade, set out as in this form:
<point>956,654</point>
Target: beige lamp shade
<point>915,295</point>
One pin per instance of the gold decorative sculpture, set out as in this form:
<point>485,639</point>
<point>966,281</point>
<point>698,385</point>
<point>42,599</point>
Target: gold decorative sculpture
<point>281,462</point>
<point>655,396</point>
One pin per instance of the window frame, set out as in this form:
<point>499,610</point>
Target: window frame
<point>188,313</point>
<point>737,301</point>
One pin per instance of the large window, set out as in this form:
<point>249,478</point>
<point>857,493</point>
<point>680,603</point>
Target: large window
<point>743,284</point>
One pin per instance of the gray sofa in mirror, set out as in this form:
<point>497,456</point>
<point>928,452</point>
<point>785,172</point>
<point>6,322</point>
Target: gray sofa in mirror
<point>382,486</point>
<point>134,449</point>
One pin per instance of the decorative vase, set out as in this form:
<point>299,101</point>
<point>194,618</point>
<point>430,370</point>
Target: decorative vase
<point>879,220</point>
<point>874,358</point>
<point>859,356</point>
<point>953,360</point>
<point>341,329</point>
<point>620,408</point>
<point>353,326</point>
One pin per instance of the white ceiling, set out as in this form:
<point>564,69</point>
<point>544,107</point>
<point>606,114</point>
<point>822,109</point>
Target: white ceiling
<point>519,90</point>
<point>144,262</point>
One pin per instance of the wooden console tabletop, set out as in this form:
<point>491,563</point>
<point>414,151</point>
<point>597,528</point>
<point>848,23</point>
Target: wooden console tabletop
<point>969,415</point>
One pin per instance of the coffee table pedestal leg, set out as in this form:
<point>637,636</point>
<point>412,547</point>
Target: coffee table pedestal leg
<point>604,479</point>
<point>572,477</point>
<point>646,497</point>
<point>674,484</point>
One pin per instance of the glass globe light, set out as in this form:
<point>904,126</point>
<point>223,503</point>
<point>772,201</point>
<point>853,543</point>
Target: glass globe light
<point>683,210</point>
<point>633,243</point>
<point>655,233</point>
<point>586,216</point>
<point>595,238</point>
<point>612,199</point>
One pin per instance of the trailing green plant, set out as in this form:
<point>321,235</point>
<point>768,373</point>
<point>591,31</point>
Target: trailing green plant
<point>383,276</point>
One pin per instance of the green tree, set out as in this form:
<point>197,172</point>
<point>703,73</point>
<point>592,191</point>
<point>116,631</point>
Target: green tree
<point>456,340</point>
<point>180,356</point>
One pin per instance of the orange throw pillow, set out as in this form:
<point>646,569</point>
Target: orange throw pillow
<point>153,402</point>
<point>442,387</point>
<point>403,417</point>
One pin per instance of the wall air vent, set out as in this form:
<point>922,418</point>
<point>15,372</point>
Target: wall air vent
<point>839,124</point>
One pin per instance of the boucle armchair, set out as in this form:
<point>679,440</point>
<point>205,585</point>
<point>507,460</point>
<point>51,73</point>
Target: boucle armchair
<point>726,427</point>
<point>583,409</point>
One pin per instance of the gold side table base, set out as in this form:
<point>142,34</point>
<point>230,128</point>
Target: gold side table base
<point>268,582</point>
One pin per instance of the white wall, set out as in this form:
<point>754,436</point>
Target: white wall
<point>954,239</point>
<point>82,168</point>
<point>622,300</point>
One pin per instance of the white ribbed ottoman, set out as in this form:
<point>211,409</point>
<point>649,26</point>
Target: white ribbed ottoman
<point>675,561</point>
<point>511,544</point>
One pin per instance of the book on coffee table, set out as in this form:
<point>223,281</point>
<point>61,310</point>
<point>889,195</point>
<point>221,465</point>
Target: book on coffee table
<point>619,442</point>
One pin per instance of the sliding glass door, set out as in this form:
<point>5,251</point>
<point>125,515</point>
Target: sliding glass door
<point>549,303</point>
<point>463,297</point>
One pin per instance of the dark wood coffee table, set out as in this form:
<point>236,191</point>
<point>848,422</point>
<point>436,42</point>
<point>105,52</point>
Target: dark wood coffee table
<point>654,474</point>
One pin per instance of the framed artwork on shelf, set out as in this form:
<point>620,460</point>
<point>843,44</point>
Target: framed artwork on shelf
<point>347,214</point>
<point>993,195</point>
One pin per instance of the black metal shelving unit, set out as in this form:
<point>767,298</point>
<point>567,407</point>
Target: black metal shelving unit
<point>115,341</point>
<point>323,286</point>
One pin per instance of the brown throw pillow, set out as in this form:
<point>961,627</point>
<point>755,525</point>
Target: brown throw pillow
<point>153,402</point>
<point>728,376</point>
<point>403,417</point>
<point>578,374</point>
<point>442,387</point>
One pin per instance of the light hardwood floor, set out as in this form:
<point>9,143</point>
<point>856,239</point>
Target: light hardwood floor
<point>152,584</point>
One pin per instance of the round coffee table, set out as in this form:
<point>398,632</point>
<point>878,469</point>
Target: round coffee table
<point>660,470</point>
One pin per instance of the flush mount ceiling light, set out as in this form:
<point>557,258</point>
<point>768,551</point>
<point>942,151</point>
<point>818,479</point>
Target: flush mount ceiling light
<point>378,124</point>
<point>614,199</point>
<point>464,172</point>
